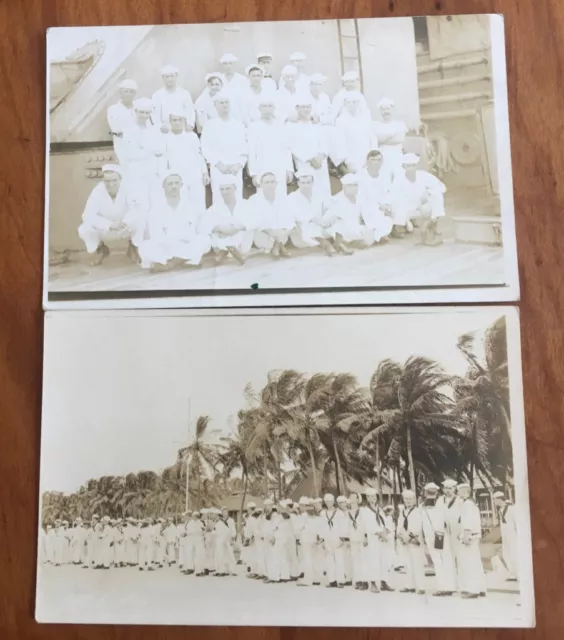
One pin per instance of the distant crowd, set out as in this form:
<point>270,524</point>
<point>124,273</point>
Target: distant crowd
<point>333,542</point>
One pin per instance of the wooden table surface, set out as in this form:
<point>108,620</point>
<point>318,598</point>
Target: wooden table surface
<point>535,55</point>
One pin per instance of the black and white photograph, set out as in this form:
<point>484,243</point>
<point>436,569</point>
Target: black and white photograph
<point>306,468</point>
<point>287,163</point>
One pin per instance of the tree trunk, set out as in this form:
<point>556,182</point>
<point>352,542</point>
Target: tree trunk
<point>265,471</point>
<point>313,468</point>
<point>413,486</point>
<point>378,474</point>
<point>398,471</point>
<point>199,496</point>
<point>245,485</point>
<point>187,488</point>
<point>338,470</point>
<point>472,476</point>
<point>394,488</point>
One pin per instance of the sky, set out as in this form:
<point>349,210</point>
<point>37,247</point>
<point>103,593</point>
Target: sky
<point>119,390</point>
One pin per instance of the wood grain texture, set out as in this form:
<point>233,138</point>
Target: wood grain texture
<point>535,52</point>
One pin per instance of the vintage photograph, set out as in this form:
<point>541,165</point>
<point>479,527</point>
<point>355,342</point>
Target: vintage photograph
<point>205,161</point>
<point>355,470</point>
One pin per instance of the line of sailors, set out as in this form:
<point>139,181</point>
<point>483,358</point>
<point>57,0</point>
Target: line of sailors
<point>283,133</point>
<point>313,542</point>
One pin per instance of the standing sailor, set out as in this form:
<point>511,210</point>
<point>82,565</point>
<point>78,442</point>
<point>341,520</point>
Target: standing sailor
<point>308,145</point>
<point>234,83</point>
<point>438,542</point>
<point>389,557</point>
<point>351,82</point>
<point>91,543</point>
<point>376,538</point>
<point>195,548</point>
<point>471,577</point>
<point>452,505</point>
<point>78,542</point>
<point>146,534</point>
<point>255,92</point>
<point>410,534</point>
<point>335,525</point>
<point>265,60</point>
<point>268,147</point>
<point>358,543</point>
<point>297,60</point>
<point>232,540</point>
<point>121,115</point>
<point>172,98</point>
<point>343,507</point>
<point>287,94</point>
<point>184,154</point>
<point>375,183</point>
<point>354,134</point>
<point>508,527</point>
<point>182,537</point>
<point>132,543</point>
<point>59,543</point>
<point>391,136</point>
<point>224,145</point>
<point>170,540</point>
<point>205,105</point>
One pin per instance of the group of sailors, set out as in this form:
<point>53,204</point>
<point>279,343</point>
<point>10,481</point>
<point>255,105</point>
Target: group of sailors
<point>169,149</point>
<point>312,542</point>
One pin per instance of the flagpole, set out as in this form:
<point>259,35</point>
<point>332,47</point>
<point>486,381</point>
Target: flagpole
<point>187,497</point>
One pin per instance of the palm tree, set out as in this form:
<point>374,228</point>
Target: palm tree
<point>199,457</point>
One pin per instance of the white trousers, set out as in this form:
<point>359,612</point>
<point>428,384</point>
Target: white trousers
<point>358,562</point>
<point>119,552</point>
<point>414,558</point>
<point>159,552</point>
<point>306,234</point>
<point>265,239</point>
<point>471,577</point>
<point>443,563</point>
<point>161,251</point>
<point>321,181</point>
<point>373,560</point>
<point>335,564</point>
<point>242,241</point>
<point>91,236</point>
<point>78,551</point>
<point>132,552</point>
<point>145,553</point>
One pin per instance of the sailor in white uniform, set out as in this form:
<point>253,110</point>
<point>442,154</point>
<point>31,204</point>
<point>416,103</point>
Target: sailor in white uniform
<point>78,542</point>
<point>121,115</point>
<point>287,95</point>
<point>354,134</point>
<point>417,194</point>
<point>351,82</point>
<point>235,84</point>
<point>184,153</point>
<point>205,104</point>
<point>172,98</point>
<point>308,145</point>
<point>298,60</point>
<point>231,221</point>
<point>195,547</point>
<point>256,91</point>
<point>264,59</point>
<point>410,534</point>
<point>174,227</point>
<point>452,505</point>
<point>308,208</point>
<point>146,545</point>
<point>335,531</point>
<point>471,577</point>
<point>508,527</point>
<point>109,214</point>
<point>391,135</point>
<point>230,550</point>
<point>376,538</point>
<point>375,183</point>
<point>171,541</point>
<point>437,541</point>
<point>224,145</point>
<point>268,147</point>
<point>275,220</point>
<point>358,543</point>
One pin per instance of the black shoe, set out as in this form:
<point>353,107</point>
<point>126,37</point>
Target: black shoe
<point>385,586</point>
<point>332,585</point>
<point>407,591</point>
<point>482,594</point>
<point>340,585</point>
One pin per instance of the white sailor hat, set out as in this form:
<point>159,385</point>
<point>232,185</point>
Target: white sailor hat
<point>250,67</point>
<point>305,172</point>
<point>143,103</point>
<point>317,77</point>
<point>304,500</point>
<point>449,483</point>
<point>298,55</point>
<point>268,502</point>
<point>353,96</point>
<point>285,503</point>
<point>170,172</point>
<point>350,75</point>
<point>499,494</point>
<point>160,520</point>
<point>267,97</point>
<point>221,95</point>
<point>106,519</point>
<point>169,69</point>
<point>57,521</point>
<point>386,102</point>
<point>289,70</point>
<point>317,501</point>
<point>225,179</point>
<point>95,515</point>
<point>187,512</point>
<point>431,486</point>
<point>303,100</point>
<point>410,159</point>
<point>464,485</point>
<point>329,497</point>
<point>115,168</point>
<point>251,505</point>
<point>263,54</point>
<point>130,519</point>
<point>204,510</point>
<point>217,511</point>
<point>341,499</point>
<point>127,83</point>
<point>223,509</point>
<point>195,513</point>
<point>65,522</point>
<point>261,176</point>
<point>408,493</point>
<point>214,74</point>
<point>228,57</point>
<point>79,520</point>
<point>388,507</point>
<point>177,112</point>
<point>370,491</point>
<point>349,178</point>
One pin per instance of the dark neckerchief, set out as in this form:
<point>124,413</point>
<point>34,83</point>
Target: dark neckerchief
<point>502,513</point>
<point>378,515</point>
<point>451,502</point>
<point>354,518</point>
<point>406,515</point>
<point>330,519</point>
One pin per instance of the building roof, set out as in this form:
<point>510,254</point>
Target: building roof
<point>233,502</point>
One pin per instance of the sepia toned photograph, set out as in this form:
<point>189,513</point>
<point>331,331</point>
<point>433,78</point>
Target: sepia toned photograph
<point>329,468</point>
<point>227,164</point>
